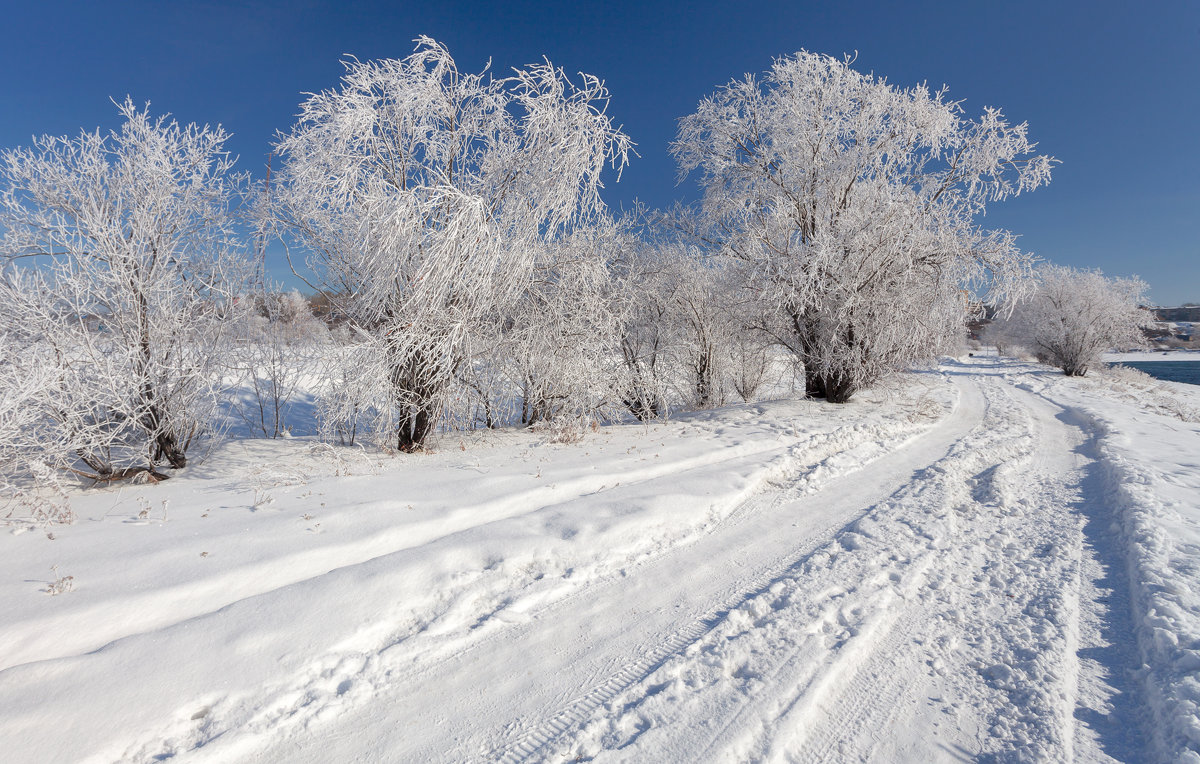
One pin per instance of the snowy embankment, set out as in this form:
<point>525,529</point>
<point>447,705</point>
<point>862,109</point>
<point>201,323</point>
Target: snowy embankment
<point>1153,356</point>
<point>281,581</point>
<point>1149,447</point>
<point>991,561</point>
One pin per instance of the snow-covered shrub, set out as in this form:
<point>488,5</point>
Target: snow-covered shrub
<point>279,344</point>
<point>122,270</point>
<point>421,195</point>
<point>558,339</point>
<point>354,398</point>
<point>1076,315</point>
<point>647,335</point>
<point>687,334</point>
<point>30,489</point>
<point>705,325</point>
<point>750,358</point>
<point>849,204</point>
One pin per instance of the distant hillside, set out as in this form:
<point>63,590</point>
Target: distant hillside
<point>1188,313</point>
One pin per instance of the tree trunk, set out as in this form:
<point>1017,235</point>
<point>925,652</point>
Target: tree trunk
<point>704,381</point>
<point>166,446</point>
<point>814,384</point>
<point>839,391</point>
<point>415,426</point>
<point>833,387</point>
<point>415,391</point>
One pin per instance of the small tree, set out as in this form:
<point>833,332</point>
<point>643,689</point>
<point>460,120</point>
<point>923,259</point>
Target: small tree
<point>557,340</point>
<point>279,343</point>
<point>647,340</point>
<point>421,193</point>
<point>849,205</point>
<point>1076,315</point>
<point>122,269</point>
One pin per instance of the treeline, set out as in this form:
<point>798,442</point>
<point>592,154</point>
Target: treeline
<point>454,223</point>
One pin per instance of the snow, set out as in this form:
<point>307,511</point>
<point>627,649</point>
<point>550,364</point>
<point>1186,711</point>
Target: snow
<point>1153,356</point>
<point>984,560</point>
<point>1151,466</point>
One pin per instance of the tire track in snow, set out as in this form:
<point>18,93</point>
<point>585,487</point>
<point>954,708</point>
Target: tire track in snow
<point>805,708</point>
<point>826,457</point>
<point>1024,647</point>
<point>1106,714</point>
<point>537,742</point>
<point>840,713</point>
<point>336,683</point>
<point>592,632</point>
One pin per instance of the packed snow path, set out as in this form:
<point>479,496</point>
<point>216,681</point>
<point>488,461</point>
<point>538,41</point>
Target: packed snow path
<point>810,628</point>
<point>913,587</point>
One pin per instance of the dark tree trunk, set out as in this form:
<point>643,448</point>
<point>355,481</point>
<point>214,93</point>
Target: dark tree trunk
<point>642,408</point>
<point>704,383</point>
<point>814,384</point>
<point>832,387</point>
<point>414,388</point>
<point>840,391</point>
<point>166,443</point>
<point>415,426</point>
<point>166,446</point>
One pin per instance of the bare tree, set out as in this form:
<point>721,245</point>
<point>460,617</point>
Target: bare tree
<point>557,342</point>
<point>849,205</point>
<point>279,343</point>
<point>419,192</point>
<point>1076,315</point>
<point>122,267</point>
<point>698,293</point>
<point>647,342</point>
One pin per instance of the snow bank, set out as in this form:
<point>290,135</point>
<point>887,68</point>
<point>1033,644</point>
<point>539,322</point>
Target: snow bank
<point>282,582</point>
<point>1151,355</point>
<point>1149,448</point>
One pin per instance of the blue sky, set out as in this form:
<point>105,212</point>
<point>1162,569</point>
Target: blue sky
<point>1110,88</point>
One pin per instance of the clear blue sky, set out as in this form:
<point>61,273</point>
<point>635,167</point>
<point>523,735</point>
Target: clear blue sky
<point>1110,88</point>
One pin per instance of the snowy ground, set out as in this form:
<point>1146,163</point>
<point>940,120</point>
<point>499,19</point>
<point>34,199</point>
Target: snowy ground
<point>989,562</point>
<point>1153,355</point>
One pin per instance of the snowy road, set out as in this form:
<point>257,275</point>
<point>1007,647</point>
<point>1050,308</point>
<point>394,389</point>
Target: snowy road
<point>612,635</point>
<point>834,626</point>
<point>960,577</point>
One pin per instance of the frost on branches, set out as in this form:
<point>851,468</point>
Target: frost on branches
<point>1076,315</point>
<point>555,343</point>
<point>421,196</point>
<point>279,344</point>
<point>120,273</point>
<point>848,205</point>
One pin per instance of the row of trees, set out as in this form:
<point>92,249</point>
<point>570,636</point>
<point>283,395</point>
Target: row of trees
<point>455,222</point>
<point>1073,316</point>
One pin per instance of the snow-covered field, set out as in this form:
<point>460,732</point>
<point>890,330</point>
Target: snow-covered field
<point>1153,356</point>
<point>986,561</point>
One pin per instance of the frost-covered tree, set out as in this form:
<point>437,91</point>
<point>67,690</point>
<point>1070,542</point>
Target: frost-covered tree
<point>647,343</point>
<point>121,270</point>
<point>279,344</point>
<point>420,193</point>
<point>699,302</point>
<point>1076,315</point>
<point>850,205</point>
<point>557,340</point>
